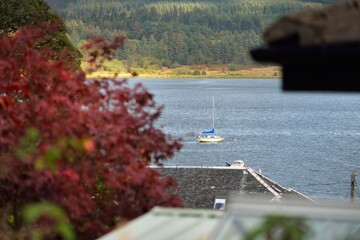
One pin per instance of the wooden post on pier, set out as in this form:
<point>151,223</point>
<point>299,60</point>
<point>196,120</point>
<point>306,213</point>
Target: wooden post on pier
<point>352,194</point>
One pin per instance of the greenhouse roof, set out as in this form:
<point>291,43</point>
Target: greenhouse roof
<point>321,221</point>
<point>168,223</point>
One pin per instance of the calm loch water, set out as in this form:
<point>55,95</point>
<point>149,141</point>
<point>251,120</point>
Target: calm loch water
<point>306,141</point>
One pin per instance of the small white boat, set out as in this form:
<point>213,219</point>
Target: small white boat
<point>210,136</point>
<point>236,164</point>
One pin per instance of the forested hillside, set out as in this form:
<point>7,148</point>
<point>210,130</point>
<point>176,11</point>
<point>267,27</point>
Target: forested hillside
<point>173,32</point>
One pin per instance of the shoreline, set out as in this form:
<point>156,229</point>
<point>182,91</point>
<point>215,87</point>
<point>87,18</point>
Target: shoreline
<point>271,72</point>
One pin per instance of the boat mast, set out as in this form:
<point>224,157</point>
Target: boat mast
<point>213,112</point>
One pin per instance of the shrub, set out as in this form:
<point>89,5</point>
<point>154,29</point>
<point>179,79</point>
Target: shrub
<point>196,72</point>
<point>82,144</point>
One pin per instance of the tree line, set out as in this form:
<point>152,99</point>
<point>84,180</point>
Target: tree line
<point>177,32</point>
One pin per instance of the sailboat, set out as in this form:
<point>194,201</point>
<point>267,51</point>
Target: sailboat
<point>210,136</point>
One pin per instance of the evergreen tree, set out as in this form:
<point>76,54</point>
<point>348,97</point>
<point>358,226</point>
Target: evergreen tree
<point>15,14</point>
<point>183,22</point>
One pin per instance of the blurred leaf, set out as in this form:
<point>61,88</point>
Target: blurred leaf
<point>27,145</point>
<point>11,219</point>
<point>280,228</point>
<point>48,160</point>
<point>62,226</point>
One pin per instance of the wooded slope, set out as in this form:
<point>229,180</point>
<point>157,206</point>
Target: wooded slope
<point>173,32</point>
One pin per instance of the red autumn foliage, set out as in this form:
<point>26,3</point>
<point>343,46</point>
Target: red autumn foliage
<point>83,144</point>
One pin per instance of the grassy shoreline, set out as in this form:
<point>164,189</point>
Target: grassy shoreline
<point>194,72</point>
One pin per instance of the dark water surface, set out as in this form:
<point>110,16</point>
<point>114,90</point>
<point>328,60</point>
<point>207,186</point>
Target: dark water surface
<point>306,141</point>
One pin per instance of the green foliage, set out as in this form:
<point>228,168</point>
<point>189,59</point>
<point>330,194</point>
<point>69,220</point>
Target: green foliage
<point>177,31</point>
<point>114,66</point>
<point>233,67</point>
<point>28,144</point>
<point>196,73</point>
<point>182,71</point>
<point>18,13</point>
<point>48,160</point>
<point>280,228</point>
<point>61,225</point>
<point>15,14</point>
<point>150,63</point>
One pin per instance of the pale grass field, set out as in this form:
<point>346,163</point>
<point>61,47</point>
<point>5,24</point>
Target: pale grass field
<point>213,72</point>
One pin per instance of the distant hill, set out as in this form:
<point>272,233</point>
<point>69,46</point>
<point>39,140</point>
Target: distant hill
<point>177,32</point>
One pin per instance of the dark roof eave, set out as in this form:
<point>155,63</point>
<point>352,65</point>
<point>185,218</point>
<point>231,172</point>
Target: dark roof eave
<point>315,68</point>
